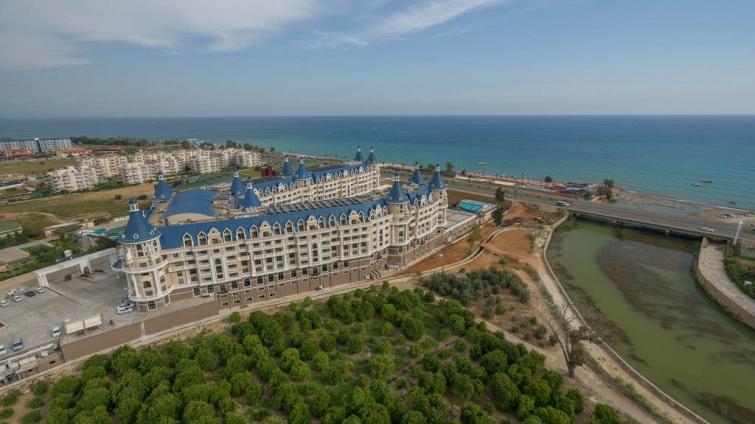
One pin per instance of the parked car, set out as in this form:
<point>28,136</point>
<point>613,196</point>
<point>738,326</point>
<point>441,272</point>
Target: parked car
<point>4,303</point>
<point>67,277</point>
<point>3,350</point>
<point>30,293</point>
<point>16,298</point>
<point>40,289</point>
<point>55,331</point>
<point>18,344</point>
<point>123,309</point>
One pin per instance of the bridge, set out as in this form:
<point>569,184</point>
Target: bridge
<point>625,214</point>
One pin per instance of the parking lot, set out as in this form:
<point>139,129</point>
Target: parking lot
<point>81,297</point>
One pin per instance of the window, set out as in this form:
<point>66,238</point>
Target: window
<point>300,225</point>
<point>202,239</point>
<point>276,229</point>
<point>253,232</point>
<point>151,306</point>
<point>188,242</point>
<point>227,235</point>
<point>289,227</point>
<point>240,235</point>
<point>197,292</point>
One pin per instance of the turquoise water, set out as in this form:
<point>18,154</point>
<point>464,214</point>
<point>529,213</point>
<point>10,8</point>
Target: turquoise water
<point>653,154</point>
<point>637,292</point>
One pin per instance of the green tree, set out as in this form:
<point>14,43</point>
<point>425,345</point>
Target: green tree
<point>505,392</point>
<point>381,366</point>
<point>605,414</point>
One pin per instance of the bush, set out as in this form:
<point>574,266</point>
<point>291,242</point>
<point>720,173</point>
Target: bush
<point>31,417</point>
<point>36,402</point>
<point>234,317</point>
<point>10,398</point>
<point>40,388</point>
<point>6,412</point>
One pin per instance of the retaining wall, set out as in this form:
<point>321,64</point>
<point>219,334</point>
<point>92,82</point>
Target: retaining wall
<point>731,306</point>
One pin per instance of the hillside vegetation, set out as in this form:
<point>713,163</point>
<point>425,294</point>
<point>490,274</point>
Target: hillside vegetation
<point>373,356</point>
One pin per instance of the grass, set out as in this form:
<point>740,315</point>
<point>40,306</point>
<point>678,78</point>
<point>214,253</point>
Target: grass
<point>33,223</point>
<point>77,205</point>
<point>31,167</point>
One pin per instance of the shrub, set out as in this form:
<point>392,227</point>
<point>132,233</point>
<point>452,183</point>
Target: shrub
<point>31,417</point>
<point>10,398</point>
<point>234,317</point>
<point>6,412</point>
<point>40,388</point>
<point>36,402</point>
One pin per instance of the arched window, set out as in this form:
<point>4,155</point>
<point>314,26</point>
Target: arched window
<point>321,222</point>
<point>214,236</point>
<point>226,235</point>
<point>289,226</point>
<point>240,234</point>
<point>344,220</point>
<point>253,232</point>
<point>300,225</point>
<point>276,229</point>
<point>202,239</point>
<point>188,242</point>
<point>332,221</point>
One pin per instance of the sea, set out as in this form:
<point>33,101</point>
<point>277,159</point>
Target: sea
<point>657,155</point>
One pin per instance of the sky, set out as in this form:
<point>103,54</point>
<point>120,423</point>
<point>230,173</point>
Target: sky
<point>92,58</point>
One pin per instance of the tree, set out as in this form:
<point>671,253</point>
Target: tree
<point>498,214</point>
<point>449,169</point>
<point>505,392</point>
<point>500,195</point>
<point>604,414</point>
<point>571,337</point>
<point>382,366</point>
<point>412,328</point>
<point>474,236</point>
<point>548,179</point>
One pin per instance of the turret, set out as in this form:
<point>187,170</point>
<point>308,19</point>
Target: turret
<point>237,187</point>
<point>358,157</point>
<point>163,191</point>
<point>301,172</point>
<point>286,171</point>
<point>250,200</point>
<point>396,195</point>
<point>138,228</point>
<point>436,183</point>
<point>371,159</point>
<point>416,178</point>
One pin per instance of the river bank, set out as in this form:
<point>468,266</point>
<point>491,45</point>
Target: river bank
<point>669,330</point>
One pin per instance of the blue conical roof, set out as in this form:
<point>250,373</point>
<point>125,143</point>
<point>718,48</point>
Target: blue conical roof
<point>237,187</point>
<point>301,172</point>
<point>287,171</point>
<point>371,157</point>
<point>416,176</point>
<point>138,228</point>
<point>396,195</point>
<point>358,157</point>
<point>436,183</point>
<point>163,191</point>
<point>250,199</point>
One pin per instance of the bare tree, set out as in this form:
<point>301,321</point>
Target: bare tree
<point>571,337</point>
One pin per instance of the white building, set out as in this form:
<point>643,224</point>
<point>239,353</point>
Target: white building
<point>73,178</point>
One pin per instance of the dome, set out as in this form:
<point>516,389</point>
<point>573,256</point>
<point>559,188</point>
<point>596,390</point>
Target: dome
<point>396,195</point>
<point>237,187</point>
<point>358,157</point>
<point>163,191</point>
<point>416,177</point>
<point>436,183</point>
<point>286,171</point>
<point>371,157</point>
<point>138,228</point>
<point>301,172</point>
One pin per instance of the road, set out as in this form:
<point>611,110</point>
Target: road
<point>684,224</point>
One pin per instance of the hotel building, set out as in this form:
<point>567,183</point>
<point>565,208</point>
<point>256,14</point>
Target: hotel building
<point>265,245</point>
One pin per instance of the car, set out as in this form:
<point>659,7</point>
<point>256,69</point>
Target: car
<point>4,303</point>
<point>123,309</point>
<point>40,289</point>
<point>563,203</point>
<point>67,277</point>
<point>708,229</point>
<point>18,344</point>
<point>30,293</point>
<point>55,332</point>
<point>16,298</point>
<point>3,350</point>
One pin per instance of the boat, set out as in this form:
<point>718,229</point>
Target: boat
<point>696,185</point>
<point>707,181</point>
<point>482,162</point>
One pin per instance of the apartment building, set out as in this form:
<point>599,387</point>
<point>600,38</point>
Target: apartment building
<point>72,178</point>
<point>37,145</point>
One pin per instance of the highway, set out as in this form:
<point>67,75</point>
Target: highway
<point>630,216</point>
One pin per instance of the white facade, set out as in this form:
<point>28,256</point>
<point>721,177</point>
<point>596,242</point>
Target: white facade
<point>73,179</point>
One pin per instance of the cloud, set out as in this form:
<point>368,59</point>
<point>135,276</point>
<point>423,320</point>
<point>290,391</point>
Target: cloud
<point>415,18</point>
<point>51,33</point>
<point>54,33</point>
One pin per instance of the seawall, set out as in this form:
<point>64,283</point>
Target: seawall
<point>711,275</point>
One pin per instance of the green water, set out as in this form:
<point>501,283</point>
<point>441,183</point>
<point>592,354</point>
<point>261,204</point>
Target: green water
<point>637,291</point>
